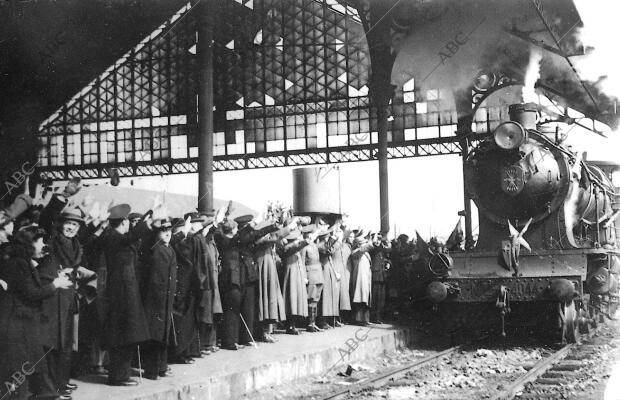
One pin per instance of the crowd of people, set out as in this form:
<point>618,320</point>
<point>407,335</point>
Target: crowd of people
<point>87,288</point>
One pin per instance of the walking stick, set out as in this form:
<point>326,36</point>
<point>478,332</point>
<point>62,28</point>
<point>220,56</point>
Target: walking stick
<point>139,364</point>
<point>248,329</point>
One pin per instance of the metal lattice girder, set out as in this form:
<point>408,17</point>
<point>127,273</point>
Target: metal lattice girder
<point>426,147</point>
<point>290,86</point>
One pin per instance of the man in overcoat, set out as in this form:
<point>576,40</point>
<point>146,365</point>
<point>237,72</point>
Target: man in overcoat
<point>158,297</point>
<point>379,267</point>
<point>239,277</point>
<point>125,324</point>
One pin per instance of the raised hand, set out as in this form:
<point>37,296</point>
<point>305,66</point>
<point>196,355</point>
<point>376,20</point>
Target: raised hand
<point>62,282</point>
<point>187,226</point>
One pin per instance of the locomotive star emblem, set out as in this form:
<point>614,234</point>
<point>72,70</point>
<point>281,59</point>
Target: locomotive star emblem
<point>512,180</point>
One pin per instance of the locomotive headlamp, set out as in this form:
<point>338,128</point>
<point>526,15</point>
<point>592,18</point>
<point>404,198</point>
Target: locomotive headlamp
<point>510,135</point>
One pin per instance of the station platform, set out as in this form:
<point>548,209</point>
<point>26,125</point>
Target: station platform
<point>230,374</point>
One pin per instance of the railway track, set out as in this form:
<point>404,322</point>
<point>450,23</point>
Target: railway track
<point>387,377</point>
<point>554,369</point>
<point>549,373</point>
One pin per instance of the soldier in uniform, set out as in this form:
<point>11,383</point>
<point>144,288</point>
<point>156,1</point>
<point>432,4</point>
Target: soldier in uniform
<point>379,268</point>
<point>210,311</point>
<point>125,324</point>
<point>314,272</point>
<point>330,300</point>
<point>187,297</point>
<point>341,251</point>
<point>271,307</point>
<point>158,297</point>
<point>361,279</point>
<point>239,278</point>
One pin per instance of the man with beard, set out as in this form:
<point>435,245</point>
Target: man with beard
<point>125,324</point>
<point>158,298</point>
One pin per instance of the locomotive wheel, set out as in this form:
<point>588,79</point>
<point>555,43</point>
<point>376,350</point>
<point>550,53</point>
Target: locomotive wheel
<point>569,322</point>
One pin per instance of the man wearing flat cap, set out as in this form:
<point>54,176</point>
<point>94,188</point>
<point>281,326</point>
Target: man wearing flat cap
<point>125,324</point>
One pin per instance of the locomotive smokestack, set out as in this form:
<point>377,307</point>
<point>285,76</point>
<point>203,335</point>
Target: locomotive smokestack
<point>524,113</point>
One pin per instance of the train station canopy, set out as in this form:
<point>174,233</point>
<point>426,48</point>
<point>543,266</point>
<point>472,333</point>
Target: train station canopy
<point>294,83</point>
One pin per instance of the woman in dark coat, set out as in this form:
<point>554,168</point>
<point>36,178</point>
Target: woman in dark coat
<point>23,331</point>
<point>159,289</point>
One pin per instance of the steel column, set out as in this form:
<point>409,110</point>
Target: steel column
<point>204,53</point>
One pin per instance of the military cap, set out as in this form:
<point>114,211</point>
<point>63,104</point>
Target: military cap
<point>262,225</point>
<point>294,235</point>
<point>72,214</point>
<point>244,219</point>
<point>134,215</point>
<point>120,211</point>
<point>308,228</point>
<point>209,213</point>
<point>164,224</point>
<point>360,240</point>
<point>326,231</point>
<point>228,226</point>
<point>195,217</point>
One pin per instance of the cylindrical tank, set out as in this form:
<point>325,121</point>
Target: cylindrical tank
<point>316,190</point>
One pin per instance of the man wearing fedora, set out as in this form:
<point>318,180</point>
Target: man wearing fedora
<point>125,325</point>
<point>61,311</point>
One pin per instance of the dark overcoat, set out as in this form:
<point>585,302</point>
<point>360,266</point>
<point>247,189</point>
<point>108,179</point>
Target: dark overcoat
<point>159,290</point>
<point>58,310</point>
<point>22,330</point>
<point>187,293</point>
<point>125,322</point>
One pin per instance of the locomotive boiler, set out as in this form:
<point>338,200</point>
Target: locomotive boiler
<point>547,253</point>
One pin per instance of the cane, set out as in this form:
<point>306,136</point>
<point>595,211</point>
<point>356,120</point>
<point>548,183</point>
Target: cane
<point>248,329</point>
<point>139,364</point>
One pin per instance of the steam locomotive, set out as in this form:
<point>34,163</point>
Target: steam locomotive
<point>547,251</point>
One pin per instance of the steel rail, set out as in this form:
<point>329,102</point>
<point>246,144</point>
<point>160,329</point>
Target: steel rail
<point>539,368</point>
<point>388,376</point>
